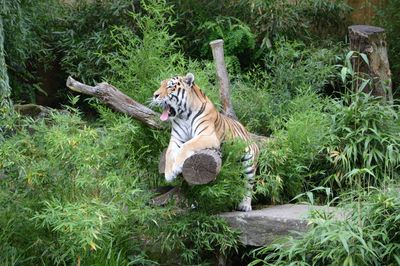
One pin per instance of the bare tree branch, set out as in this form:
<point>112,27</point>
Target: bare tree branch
<point>118,101</point>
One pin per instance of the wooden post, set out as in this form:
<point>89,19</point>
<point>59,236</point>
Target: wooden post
<point>371,41</point>
<point>217,48</point>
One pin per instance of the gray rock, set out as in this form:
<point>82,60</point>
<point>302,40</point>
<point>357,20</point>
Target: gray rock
<point>262,227</point>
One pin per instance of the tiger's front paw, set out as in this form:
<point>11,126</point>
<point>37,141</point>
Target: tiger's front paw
<point>245,205</point>
<point>171,175</point>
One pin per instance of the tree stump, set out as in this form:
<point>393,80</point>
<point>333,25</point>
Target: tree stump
<point>371,41</point>
<point>200,168</point>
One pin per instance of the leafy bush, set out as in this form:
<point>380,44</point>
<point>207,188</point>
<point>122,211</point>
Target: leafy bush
<point>72,193</point>
<point>195,237</point>
<point>69,188</point>
<point>140,62</point>
<point>291,162</point>
<point>27,43</point>
<point>49,40</point>
<point>293,70</point>
<point>367,236</point>
<point>84,45</point>
<point>268,20</point>
<point>366,141</point>
<point>237,36</point>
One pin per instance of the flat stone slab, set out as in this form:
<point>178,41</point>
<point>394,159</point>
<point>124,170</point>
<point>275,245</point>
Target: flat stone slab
<point>262,227</point>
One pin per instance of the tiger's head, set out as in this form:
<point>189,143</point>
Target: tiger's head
<point>172,95</point>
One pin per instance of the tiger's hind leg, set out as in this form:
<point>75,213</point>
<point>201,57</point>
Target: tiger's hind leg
<point>245,204</point>
<point>250,166</point>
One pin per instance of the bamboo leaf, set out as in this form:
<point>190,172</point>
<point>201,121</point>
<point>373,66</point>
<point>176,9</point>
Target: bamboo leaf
<point>365,58</point>
<point>343,74</point>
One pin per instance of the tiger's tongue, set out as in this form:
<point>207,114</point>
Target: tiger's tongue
<point>165,114</point>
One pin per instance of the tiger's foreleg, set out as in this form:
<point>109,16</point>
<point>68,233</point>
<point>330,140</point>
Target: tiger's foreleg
<point>170,156</point>
<point>190,147</point>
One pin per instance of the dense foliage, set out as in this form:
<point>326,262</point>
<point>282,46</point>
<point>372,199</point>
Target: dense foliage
<point>366,234</point>
<point>388,17</point>
<point>78,189</point>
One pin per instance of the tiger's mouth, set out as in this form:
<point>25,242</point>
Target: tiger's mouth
<point>167,112</point>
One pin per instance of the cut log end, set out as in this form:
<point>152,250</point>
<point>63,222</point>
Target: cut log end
<point>366,29</point>
<point>217,42</point>
<point>201,168</point>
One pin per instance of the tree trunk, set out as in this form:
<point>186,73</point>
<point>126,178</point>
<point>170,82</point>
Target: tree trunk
<point>5,90</point>
<point>200,168</point>
<point>371,41</point>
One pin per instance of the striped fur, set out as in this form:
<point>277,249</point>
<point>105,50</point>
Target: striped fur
<point>197,125</point>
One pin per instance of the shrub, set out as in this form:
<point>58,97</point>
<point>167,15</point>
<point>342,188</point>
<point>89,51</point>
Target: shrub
<point>140,62</point>
<point>27,43</point>
<point>268,21</point>
<point>75,193</point>
<point>68,189</point>
<point>366,141</point>
<point>291,162</point>
<point>293,70</point>
<point>197,238</point>
<point>84,45</point>
<point>367,236</point>
<point>237,36</point>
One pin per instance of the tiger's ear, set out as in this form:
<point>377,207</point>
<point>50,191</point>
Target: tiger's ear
<point>189,79</point>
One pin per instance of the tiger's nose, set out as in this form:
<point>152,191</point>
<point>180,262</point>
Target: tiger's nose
<point>156,96</point>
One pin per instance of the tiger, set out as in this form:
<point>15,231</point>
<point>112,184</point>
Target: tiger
<point>197,125</point>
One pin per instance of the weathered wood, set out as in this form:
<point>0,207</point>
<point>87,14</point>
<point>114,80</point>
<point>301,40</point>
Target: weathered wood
<point>114,98</point>
<point>118,101</point>
<point>33,110</point>
<point>201,168</point>
<point>165,198</point>
<point>217,48</point>
<point>371,41</point>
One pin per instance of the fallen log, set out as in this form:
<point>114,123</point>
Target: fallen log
<point>32,110</point>
<point>200,168</point>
